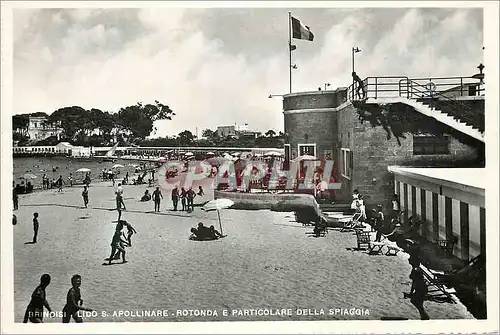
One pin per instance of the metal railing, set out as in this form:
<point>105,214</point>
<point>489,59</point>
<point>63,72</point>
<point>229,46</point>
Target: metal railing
<point>434,92</point>
<point>414,88</point>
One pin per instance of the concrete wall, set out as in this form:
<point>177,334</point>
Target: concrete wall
<point>308,127</point>
<point>314,100</point>
<point>373,153</point>
<point>446,210</point>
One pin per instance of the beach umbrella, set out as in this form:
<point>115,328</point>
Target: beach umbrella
<point>210,153</point>
<point>29,176</point>
<point>83,170</point>
<point>273,153</point>
<point>188,154</point>
<point>117,166</point>
<point>305,158</point>
<point>218,205</point>
<point>215,161</point>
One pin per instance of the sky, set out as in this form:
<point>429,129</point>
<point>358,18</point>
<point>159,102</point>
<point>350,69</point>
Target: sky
<point>217,66</point>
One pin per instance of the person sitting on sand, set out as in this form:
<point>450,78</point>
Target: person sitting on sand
<point>74,301</point>
<point>214,232</point>
<point>146,196</point>
<point>34,311</point>
<point>200,191</point>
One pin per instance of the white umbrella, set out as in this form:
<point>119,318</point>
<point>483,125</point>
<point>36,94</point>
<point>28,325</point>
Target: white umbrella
<point>273,153</point>
<point>83,170</point>
<point>217,205</point>
<point>305,158</point>
<point>236,154</point>
<point>29,176</point>
<point>117,166</point>
<point>188,154</point>
<point>210,153</point>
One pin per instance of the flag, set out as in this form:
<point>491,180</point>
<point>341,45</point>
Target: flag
<point>292,47</point>
<point>300,31</point>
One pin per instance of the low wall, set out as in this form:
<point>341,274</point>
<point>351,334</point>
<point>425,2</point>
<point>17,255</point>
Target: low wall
<point>274,202</point>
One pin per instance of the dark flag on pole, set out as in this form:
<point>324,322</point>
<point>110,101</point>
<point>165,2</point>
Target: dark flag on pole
<point>300,31</point>
<point>292,47</point>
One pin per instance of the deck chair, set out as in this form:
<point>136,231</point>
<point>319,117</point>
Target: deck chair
<point>364,239</point>
<point>352,223</point>
<point>437,291</point>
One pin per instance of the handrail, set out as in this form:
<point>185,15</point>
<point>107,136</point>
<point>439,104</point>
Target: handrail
<point>445,87</point>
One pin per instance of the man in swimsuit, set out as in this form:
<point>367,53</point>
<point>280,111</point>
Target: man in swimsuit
<point>74,302</point>
<point>34,311</point>
<point>157,196</point>
<point>361,85</point>
<point>36,224</point>
<point>117,244</point>
<point>85,195</point>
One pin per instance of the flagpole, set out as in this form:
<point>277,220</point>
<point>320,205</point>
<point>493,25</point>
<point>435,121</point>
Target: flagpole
<point>290,49</point>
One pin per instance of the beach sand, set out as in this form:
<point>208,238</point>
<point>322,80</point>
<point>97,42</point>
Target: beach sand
<point>266,261</point>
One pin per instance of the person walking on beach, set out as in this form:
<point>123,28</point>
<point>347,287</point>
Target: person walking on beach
<point>418,291</point>
<point>60,183</point>
<point>45,184</point>
<point>85,195</point>
<point>190,199</point>
<point>130,231</point>
<point>119,196</point>
<point>34,311</point>
<point>70,178</point>
<point>15,198</point>
<point>35,227</point>
<point>175,197</point>
<point>117,244</point>
<point>74,301</point>
<point>183,198</point>
<point>156,198</point>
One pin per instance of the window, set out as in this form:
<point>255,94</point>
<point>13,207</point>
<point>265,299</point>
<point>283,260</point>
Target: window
<point>307,149</point>
<point>346,163</point>
<point>287,152</point>
<point>431,145</point>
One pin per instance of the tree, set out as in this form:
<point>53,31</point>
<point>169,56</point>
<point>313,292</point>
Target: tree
<point>185,138</point>
<point>20,121</point>
<point>72,119</point>
<point>139,118</point>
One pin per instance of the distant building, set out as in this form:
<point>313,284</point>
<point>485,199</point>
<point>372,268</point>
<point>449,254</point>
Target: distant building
<point>39,128</point>
<point>225,131</point>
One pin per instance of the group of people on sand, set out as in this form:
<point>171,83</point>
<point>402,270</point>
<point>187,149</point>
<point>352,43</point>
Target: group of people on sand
<point>203,232</point>
<point>186,197</point>
<point>74,303</point>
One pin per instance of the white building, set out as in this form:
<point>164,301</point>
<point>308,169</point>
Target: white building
<point>39,128</point>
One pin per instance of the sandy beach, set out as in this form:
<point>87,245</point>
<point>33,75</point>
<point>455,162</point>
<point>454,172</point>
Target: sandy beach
<point>267,261</point>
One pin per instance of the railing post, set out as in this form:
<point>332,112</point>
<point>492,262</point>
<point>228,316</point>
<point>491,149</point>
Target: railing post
<point>376,91</point>
<point>461,87</point>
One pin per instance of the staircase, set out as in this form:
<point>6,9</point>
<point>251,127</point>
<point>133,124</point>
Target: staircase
<point>445,118</point>
<point>336,214</point>
<point>422,96</point>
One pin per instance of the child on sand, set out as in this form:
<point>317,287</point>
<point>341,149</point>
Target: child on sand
<point>34,311</point>
<point>74,301</point>
<point>35,226</point>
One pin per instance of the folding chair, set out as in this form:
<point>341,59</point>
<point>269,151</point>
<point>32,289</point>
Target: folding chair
<point>353,222</point>
<point>437,290</point>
